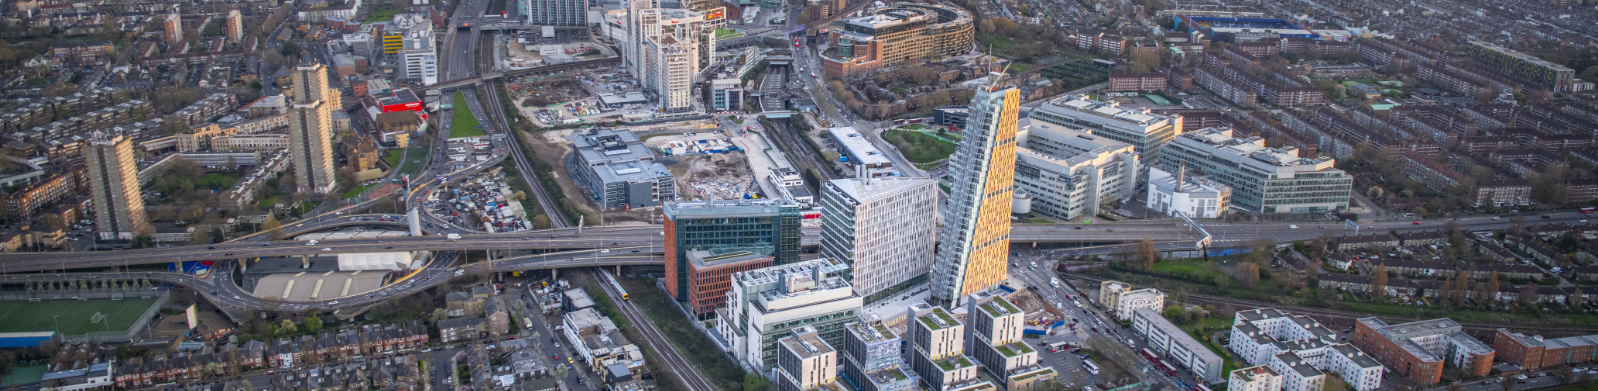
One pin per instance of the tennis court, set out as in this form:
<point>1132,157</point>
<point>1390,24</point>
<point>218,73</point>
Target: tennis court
<point>74,317</point>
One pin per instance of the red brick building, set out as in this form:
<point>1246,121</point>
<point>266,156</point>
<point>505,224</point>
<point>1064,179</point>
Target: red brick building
<point>710,277</point>
<point>1122,82</point>
<point>1535,352</point>
<point>1418,350</point>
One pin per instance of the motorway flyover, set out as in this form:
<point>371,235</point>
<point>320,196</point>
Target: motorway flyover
<point>1226,234</point>
<point>219,288</point>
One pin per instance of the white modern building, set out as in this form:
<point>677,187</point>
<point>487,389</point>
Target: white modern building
<point>1121,299</point>
<point>806,362</point>
<point>1146,131</point>
<point>669,46</point>
<point>726,94</point>
<point>1176,345</point>
<point>419,53</point>
<point>1263,179</point>
<point>882,227</point>
<point>1297,373</point>
<point>1070,173</point>
<point>1192,195</point>
<point>765,304</point>
<point>1299,348</point>
<point>1255,378</point>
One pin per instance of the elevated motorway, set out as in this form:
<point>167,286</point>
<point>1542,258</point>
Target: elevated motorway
<point>218,286</point>
<point>647,239</point>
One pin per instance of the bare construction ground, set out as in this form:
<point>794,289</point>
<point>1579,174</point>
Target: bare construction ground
<point>722,176</point>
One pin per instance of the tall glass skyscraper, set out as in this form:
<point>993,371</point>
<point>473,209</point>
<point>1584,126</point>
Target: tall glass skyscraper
<point>974,242</point>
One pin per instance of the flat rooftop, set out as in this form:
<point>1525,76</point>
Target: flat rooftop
<point>858,146</point>
<point>319,286</point>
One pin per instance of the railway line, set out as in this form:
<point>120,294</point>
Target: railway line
<point>690,376</point>
<point>787,138</point>
<point>1348,318</point>
<point>496,112</point>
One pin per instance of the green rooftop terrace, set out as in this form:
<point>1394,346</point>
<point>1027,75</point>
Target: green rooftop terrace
<point>955,362</point>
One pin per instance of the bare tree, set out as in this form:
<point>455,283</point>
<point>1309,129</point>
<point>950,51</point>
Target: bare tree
<point>1379,282</point>
<point>1146,253</point>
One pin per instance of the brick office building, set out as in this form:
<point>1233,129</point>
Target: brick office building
<point>710,277</point>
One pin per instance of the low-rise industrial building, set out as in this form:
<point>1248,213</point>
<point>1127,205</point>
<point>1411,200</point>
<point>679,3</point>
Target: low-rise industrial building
<point>618,171</point>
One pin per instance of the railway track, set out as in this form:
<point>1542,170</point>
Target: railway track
<point>1348,317</point>
<point>787,139</point>
<point>496,112</point>
<point>690,376</point>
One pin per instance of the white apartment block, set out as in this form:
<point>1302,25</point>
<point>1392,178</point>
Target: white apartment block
<point>1291,343</point>
<point>1192,195</point>
<point>1070,172</point>
<point>805,362</point>
<point>1122,300</point>
<point>1146,131</point>
<point>1177,346</point>
<point>994,329</point>
<point>1297,374</point>
<point>883,228</point>
<point>1255,378</point>
<point>937,348</point>
<point>250,142</point>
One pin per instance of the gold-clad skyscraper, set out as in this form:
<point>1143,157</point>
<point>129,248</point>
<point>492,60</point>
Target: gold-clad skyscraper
<point>974,243</point>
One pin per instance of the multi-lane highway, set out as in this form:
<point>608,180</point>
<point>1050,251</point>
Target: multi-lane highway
<point>1174,232</point>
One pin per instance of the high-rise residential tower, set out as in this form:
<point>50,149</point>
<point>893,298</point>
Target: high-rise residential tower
<point>975,239</point>
<point>881,227</point>
<point>557,12</point>
<point>114,186</point>
<point>310,129</point>
<point>173,28</point>
<point>234,27</point>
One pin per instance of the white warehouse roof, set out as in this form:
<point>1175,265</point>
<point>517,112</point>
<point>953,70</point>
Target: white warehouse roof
<point>375,261</point>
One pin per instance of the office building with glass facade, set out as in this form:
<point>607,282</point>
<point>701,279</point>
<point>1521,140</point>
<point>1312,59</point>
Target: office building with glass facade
<point>1265,180</point>
<point>768,227</point>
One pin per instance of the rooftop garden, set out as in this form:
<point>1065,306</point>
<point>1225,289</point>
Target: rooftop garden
<point>952,363</point>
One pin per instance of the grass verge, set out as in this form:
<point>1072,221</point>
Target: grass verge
<point>464,123</point>
<point>692,344</point>
<point>356,191</point>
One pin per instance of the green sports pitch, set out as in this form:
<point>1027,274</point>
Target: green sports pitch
<point>74,317</point>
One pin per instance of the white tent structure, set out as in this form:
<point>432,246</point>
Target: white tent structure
<point>375,261</point>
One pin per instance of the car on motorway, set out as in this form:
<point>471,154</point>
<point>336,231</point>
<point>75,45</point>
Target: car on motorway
<point>327,249</point>
<point>1415,223</point>
<point>267,244</point>
<point>334,302</point>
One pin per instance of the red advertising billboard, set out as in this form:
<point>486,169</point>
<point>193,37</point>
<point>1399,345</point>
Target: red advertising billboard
<point>716,14</point>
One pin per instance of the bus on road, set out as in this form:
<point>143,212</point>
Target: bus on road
<point>1149,354</point>
<point>1090,366</point>
<point>1167,368</point>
